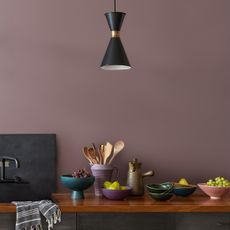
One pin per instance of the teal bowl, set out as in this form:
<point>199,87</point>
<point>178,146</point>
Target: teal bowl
<point>78,185</point>
<point>161,196</point>
<point>184,191</point>
<point>160,188</point>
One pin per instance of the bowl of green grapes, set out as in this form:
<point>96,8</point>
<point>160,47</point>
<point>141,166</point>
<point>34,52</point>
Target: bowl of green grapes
<point>216,188</point>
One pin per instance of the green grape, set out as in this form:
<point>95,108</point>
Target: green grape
<point>218,182</point>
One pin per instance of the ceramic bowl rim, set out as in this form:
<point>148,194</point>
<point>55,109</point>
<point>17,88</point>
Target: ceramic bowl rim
<point>177,185</point>
<point>162,193</point>
<point>71,177</point>
<point>185,188</point>
<point>210,186</point>
<point>115,190</point>
<point>165,183</point>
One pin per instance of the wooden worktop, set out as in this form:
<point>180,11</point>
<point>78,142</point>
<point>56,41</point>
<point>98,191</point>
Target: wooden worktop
<point>194,203</point>
<point>7,208</point>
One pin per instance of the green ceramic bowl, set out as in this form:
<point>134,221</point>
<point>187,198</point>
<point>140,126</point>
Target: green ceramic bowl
<point>160,188</point>
<point>161,196</point>
<point>184,190</point>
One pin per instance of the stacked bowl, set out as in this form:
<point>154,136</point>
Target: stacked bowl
<point>160,192</point>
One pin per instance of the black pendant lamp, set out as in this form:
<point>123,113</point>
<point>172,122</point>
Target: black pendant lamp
<point>115,57</point>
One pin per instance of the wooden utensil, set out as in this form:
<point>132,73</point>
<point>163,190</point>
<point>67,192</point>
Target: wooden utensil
<point>107,151</point>
<point>101,153</point>
<point>118,147</point>
<point>92,155</point>
<point>96,153</point>
<point>85,152</point>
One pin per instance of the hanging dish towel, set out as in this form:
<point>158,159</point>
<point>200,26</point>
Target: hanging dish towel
<point>28,214</point>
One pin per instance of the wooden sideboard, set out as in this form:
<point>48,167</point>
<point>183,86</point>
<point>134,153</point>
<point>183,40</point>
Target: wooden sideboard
<point>196,212</point>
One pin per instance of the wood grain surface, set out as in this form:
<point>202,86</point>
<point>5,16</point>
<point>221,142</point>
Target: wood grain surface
<point>194,203</point>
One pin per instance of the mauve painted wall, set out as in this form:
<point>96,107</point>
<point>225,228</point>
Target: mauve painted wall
<point>172,109</point>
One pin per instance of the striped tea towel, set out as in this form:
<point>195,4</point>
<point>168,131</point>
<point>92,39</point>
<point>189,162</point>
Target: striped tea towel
<point>28,214</point>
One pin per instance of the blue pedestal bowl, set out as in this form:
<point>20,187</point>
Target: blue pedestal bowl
<point>78,185</point>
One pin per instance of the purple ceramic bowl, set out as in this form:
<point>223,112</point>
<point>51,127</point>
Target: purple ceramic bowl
<point>116,194</point>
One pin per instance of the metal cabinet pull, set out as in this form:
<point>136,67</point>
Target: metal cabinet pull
<point>223,223</point>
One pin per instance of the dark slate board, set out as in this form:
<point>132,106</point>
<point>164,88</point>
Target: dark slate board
<point>37,156</point>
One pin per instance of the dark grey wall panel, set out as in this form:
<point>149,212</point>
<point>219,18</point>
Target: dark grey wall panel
<point>124,221</point>
<point>37,156</point>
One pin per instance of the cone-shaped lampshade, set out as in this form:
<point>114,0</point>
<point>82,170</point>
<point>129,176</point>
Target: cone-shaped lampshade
<point>115,57</point>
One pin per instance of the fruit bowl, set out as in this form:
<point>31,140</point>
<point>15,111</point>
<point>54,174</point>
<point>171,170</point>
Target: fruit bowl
<point>184,190</point>
<point>214,192</point>
<point>116,194</point>
<point>78,185</point>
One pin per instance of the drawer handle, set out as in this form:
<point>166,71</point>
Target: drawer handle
<point>223,223</point>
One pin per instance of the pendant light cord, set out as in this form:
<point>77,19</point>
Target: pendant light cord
<point>115,5</point>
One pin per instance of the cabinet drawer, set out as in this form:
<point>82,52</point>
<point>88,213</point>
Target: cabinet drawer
<point>7,222</point>
<point>203,221</point>
<point>68,222</point>
<point>124,221</point>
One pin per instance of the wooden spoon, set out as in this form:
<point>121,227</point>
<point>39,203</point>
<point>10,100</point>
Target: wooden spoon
<point>107,152</point>
<point>101,153</point>
<point>96,153</point>
<point>85,152</point>
<point>118,147</point>
<point>92,155</point>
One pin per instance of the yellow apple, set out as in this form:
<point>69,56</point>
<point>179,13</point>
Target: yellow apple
<point>107,184</point>
<point>123,188</point>
<point>114,186</point>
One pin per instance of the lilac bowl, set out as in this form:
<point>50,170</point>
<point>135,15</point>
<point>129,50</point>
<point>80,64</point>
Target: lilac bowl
<point>116,194</point>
